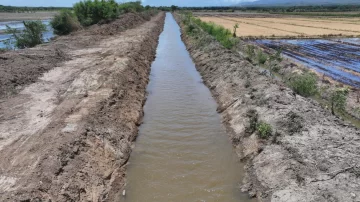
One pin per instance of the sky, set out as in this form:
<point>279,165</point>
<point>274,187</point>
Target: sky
<point>69,3</point>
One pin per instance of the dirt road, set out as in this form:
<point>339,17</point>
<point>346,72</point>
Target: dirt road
<point>311,156</point>
<point>67,135</point>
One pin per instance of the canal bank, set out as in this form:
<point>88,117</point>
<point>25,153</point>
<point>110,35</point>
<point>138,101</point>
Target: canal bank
<point>182,152</point>
<point>310,155</point>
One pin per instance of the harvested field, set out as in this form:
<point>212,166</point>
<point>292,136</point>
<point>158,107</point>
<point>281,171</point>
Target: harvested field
<point>271,26</point>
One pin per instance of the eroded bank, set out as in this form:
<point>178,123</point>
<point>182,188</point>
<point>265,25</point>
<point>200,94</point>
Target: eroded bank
<point>310,156</point>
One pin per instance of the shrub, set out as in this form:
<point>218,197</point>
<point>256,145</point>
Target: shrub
<point>338,99</point>
<point>304,84</point>
<point>253,121</point>
<point>131,7</point>
<point>65,22</point>
<point>31,36</point>
<point>264,130</point>
<point>261,57</point>
<point>250,52</point>
<point>91,12</point>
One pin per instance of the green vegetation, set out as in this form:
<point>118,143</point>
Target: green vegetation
<point>264,130</point>
<point>91,12</point>
<point>131,7</point>
<point>261,57</point>
<point>338,99</point>
<point>250,52</point>
<point>235,28</point>
<point>253,121</point>
<point>31,36</point>
<point>221,34</point>
<point>304,84</point>
<point>65,22</point>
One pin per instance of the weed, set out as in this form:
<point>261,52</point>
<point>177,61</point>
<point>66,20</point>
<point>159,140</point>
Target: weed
<point>253,121</point>
<point>264,130</point>
<point>304,84</point>
<point>338,99</point>
<point>31,36</point>
<point>294,122</point>
<point>247,83</point>
<point>261,57</point>
<point>250,52</point>
<point>65,22</point>
<point>235,27</point>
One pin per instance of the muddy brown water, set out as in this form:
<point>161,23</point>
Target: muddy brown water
<point>182,152</point>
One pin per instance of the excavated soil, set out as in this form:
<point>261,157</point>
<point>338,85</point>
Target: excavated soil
<point>311,155</point>
<point>67,134</point>
<point>22,67</point>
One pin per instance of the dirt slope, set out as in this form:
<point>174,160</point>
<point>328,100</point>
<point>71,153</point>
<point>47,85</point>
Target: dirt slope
<point>312,156</point>
<point>67,137</point>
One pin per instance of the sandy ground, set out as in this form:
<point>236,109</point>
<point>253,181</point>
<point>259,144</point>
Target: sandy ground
<point>311,155</point>
<point>26,16</point>
<point>286,26</point>
<point>67,135</point>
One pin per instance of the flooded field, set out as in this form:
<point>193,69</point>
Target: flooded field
<point>182,152</point>
<point>20,26</point>
<point>336,58</point>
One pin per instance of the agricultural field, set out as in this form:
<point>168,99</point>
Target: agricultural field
<point>329,46</point>
<point>287,27</point>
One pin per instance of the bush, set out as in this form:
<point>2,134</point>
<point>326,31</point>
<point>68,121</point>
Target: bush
<point>264,130</point>
<point>65,22</point>
<point>31,36</point>
<point>131,7</point>
<point>338,99</point>
<point>91,12</point>
<point>304,84</point>
<point>261,57</point>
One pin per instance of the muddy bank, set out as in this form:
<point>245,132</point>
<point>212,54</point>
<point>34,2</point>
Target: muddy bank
<point>68,136</point>
<point>310,156</point>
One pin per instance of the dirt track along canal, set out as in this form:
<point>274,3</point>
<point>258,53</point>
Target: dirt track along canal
<point>182,152</point>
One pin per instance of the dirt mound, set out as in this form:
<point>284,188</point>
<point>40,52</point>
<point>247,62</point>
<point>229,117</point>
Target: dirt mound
<point>23,67</point>
<point>310,155</point>
<point>68,136</point>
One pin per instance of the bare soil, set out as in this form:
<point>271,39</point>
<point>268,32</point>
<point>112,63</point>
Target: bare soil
<point>66,133</point>
<point>311,154</point>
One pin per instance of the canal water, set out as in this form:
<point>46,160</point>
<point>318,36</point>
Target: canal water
<point>182,152</point>
<point>20,26</point>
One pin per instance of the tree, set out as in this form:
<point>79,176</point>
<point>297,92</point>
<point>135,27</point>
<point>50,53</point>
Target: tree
<point>338,99</point>
<point>174,8</point>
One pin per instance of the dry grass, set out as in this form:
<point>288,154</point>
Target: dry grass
<point>289,26</point>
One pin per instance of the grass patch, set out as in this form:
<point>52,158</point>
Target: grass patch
<point>264,130</point>
<point>304,84</point>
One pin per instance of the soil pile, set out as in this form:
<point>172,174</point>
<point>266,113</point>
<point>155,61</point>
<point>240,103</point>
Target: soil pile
<point>22,67</point>
<point>68,136</point>
<point>310,156</point>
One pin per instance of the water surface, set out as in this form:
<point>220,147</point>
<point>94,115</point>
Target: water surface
<point>182,153</point>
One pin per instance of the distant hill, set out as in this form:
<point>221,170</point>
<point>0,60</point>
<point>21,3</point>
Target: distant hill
<point>299,2</point>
